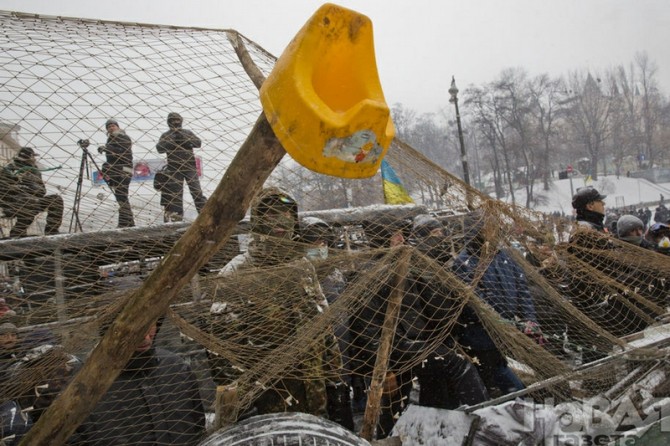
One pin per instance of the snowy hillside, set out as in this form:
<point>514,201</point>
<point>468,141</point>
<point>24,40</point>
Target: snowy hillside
<point>621,192</point>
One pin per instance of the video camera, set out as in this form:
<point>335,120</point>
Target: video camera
<point>84,143</point>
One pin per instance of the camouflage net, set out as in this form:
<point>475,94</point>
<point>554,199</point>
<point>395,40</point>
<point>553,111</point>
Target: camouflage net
<point>274,335</point>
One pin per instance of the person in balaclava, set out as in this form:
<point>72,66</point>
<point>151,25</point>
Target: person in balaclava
<point>274,229</point>
<point>285,307</point>
<point>589,206</point>
<point>178,144</point>
<point>24,195</point>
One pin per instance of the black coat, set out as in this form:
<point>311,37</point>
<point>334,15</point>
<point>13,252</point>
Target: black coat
<point>426,306</point>
<point>154,401</point>
<point>178,145</point>
<point>118,152</point>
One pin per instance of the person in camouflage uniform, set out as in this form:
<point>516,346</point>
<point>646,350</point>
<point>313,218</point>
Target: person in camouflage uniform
<point>23,195</point>
<point>265,323</point>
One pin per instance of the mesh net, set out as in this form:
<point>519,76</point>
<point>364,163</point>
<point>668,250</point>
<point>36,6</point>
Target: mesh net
<point>407,300</point>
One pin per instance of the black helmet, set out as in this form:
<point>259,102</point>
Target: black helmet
<point>268,199</point>
<point>586,195</point>
<point>174,120</point>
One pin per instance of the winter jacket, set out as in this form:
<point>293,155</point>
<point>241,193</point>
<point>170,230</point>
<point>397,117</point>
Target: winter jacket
<point>590,219</point>
<point>154,401</point>
<point>178,145</point>
<point>21,186</point>
<point>29,178</point>
<point>426,306</point>
<point>118,151</point>
<point>287,307</point>
<point>503,286</point>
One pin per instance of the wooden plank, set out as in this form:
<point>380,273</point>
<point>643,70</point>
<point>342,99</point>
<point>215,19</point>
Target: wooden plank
<point>373,405</point>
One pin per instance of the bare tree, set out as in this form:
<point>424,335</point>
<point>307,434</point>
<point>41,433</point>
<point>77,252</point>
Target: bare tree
<point>486,110</point>
<point>588,115</point>
<point>513,95</point>
<point>546,94</point>
<point>650,103</point>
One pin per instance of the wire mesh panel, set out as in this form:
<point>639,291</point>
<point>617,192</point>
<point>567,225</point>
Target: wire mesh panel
<point>330,298</point>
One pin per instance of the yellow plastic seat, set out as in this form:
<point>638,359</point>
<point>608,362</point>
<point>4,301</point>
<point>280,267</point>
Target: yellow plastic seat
<point>324,100</point>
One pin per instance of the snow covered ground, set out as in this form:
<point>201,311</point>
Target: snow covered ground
<point>621,192</point>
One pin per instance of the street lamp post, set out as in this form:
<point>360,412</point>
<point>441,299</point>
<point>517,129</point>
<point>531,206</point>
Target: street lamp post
<point>453,91</point>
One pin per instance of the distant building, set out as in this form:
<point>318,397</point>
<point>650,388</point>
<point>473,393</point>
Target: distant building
<point>9,141</point>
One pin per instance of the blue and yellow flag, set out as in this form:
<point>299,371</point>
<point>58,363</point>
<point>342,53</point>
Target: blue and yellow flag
<point>394,191</point>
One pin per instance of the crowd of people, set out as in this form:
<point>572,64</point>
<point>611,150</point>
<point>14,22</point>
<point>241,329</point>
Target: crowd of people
<point>156,400</point>
<point>23,194</point>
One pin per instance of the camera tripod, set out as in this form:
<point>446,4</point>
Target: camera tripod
<point>83,168</point>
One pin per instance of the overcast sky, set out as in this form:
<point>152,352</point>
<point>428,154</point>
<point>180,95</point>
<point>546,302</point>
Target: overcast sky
<point>420,44</point>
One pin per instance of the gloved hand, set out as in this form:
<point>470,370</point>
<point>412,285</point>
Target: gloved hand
<point>533,330</point>
<point>102,149</point>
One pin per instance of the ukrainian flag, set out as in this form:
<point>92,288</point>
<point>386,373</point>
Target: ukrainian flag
<point>394,191</point>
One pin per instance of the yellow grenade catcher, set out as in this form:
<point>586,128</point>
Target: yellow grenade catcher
<point>324,100</point>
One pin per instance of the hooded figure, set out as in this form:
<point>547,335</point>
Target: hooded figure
<point>178,144</point>
<point>430,235</point>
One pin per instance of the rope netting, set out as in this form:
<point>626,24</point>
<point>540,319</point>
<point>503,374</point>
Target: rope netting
<point>323,298</point>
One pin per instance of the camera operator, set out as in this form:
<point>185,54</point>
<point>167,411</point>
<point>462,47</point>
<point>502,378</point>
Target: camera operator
<point>178,144</point>
<point>23,195</point>
<point>118,170</point>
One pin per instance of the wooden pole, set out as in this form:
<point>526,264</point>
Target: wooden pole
<point>373,406</point>
<point>252,165</point>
